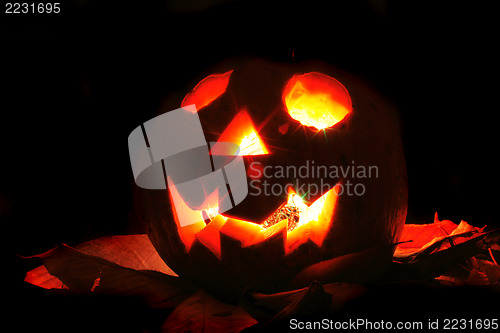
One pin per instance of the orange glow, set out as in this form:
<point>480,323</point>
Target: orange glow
<point>207,90</point>
<point>188,232</point>
<point>252,145</point>
<point>315,220</point>
<point>317,100</point>
<point>41,277</point>
<point>210,235</point>
<point>314,223</point>
<point>242,132</point>
<point>249,233</point>
<point>246,232</point>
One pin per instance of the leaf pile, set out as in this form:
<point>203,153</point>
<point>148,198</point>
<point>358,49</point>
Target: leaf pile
<point>130,266</point>
<point>453,254</point>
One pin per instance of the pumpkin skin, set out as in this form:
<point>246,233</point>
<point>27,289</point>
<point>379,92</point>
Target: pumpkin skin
<point>368,135</point>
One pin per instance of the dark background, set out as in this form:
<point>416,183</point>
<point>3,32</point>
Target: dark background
<point>77,83</point>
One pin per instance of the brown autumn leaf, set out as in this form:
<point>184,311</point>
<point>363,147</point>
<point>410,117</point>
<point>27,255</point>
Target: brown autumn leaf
<point>432,262</point>
<point>423,239</point>
<point>478,277</point>
<point>87,270</point>
<point>313,301</point>
<point>484,272</point>
<point>475,272</point>
<point>439,250</point>
<point>265,307</point>
<point>451,281</point>
<point>276,302</point>
<point>416,236</point>
<point>41,277</point>
<point>205,314</point>
<point>491,269</point>
<point>131,251</point>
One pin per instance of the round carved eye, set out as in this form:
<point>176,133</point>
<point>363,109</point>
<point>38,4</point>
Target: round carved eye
<point>316,100</point>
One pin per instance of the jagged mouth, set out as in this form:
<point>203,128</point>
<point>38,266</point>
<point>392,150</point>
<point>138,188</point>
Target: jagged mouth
<point>294,220</point>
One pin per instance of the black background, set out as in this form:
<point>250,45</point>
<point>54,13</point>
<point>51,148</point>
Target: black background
<point>77,83</point>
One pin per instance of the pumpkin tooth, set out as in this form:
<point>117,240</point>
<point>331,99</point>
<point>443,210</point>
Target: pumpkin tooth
<point>300,221</point>
<point>315,220</point>
<point>246,233</point>
<point>209,214</point>
<point>210,235</point>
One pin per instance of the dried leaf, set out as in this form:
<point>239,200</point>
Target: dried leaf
<point>42,278</point>
<point>415,236</point>
<point>277,302</point>
<point>423,239</point>
<point>477,277</point>
<point>132,251</point>
<point>340,294</point>
<point>465,227</point>
<point>490,269</point>
<point>203,313</point>
<point>440,244</point>
<point>450,281</point>
<point>427,263</point>
<point>82,272</point>
<point>313,301</point>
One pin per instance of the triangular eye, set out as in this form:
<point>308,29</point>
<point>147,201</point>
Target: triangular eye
<point>242,132</point>
<point>207,90</point>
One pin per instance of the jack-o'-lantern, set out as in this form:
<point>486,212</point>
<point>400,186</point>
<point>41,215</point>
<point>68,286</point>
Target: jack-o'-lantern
<point>306,131</point>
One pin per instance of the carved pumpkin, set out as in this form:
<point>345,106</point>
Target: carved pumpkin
<point>288,116</point>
